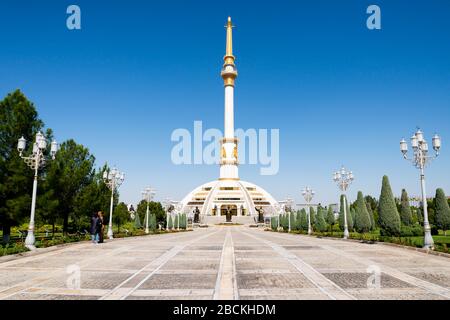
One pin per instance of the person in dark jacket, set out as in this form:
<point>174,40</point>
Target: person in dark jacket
<point>95,222</point>
<point>102,226</point>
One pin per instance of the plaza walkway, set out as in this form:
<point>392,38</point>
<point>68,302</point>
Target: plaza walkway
<point>226,263</point>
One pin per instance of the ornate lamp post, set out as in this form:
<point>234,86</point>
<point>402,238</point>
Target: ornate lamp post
<point>308,194</point>
<point>420,159</point>
<point>147,195</point>
<point>35,161</point>
<point>113,179</point>
<point>343,179</point>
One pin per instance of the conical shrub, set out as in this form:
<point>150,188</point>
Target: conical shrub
<point>405,209</point>
<point>362,219</point>
<point>442,217</point>
<point>388,216</point>
<point>341,215</point>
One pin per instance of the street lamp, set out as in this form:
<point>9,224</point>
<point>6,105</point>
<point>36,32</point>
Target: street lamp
<point>344,178</point>
<point>35,161</point>
<point>420,159</point>
<point>308,194</point>
<point>113,179</point>
<point>147,195</point>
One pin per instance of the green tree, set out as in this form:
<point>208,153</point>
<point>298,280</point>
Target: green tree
<point>137,221</point>
<point>67,175</point>
<point>170,225</point>
<point>389,218</point>
<point>362,219</point>
<point>291,216</point>
<point>303,220</point>
<point>176,221</point>
<point>18,117</point>
<point>152,223</point>
<point>330,217</point>
<point>298,218</point>
<point>372,220</point>
<point>320,223</point>
<point>120,215</point>
<point>312,214</point>
<point>442,217</point>
<point>341,214</point>
<point>405,209</point>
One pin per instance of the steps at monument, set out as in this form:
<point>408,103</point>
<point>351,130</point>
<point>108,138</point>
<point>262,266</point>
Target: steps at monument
<point>211,220</point>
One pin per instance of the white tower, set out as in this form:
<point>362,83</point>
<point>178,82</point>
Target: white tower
<point>229,154</point>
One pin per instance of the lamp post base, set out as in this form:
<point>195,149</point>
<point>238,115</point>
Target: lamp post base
<point>309,231</point>
<point>346,234</point>
<point>30,240</point>
<point>428,242</point>
<point>147,231</point>
<point>110,234</point>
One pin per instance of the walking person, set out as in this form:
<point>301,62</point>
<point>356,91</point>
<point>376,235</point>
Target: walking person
<point>94,228</point>
<point>102,227</point>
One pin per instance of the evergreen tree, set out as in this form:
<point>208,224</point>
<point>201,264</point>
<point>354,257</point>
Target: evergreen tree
<point>152,222</point>
<point>405,209</point>
<point>319,223</point>
<point>120,215</point>
<point>298,218</point>
<point>292,218</point>
<point>176,221</point>
<point>341,214</point>
<point>372,220</point>
<point>303,220</point>
<point>70,172</point>
<point>388,216</point>
<point>362,219</point>
<point>442,217</point>
<point>18,117</point>
<point>330,217</point>
<point>170,226</point>
<point>419,216</point>
<point>137,221</point>
<point>312,214</point>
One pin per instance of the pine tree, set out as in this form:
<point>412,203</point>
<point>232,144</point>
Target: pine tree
<point>405,209</point>
<point>312,214</point>
<point>330,217</point>
<point>372,220</point>
<point>303,220</point>
<point>152,222</point>
<point>298,217</point>
<point>388,216</point>
<point>137,221</point>
<point>341,215</point>
<point>292,218</point>
<point>176,222</point>
<point>319,223</point>
<point>442,217</point>
<point>170,226</point>
<point>362,219</point>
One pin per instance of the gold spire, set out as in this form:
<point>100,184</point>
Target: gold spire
<point>229,51</point>
<point>229,72</point>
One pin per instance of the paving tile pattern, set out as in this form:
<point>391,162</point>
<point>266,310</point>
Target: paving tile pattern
<point>232,262</point>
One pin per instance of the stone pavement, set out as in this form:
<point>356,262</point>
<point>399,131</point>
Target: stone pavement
<point>226,263</point>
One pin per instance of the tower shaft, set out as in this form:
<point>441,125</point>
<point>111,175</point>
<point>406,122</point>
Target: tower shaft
<point>229,154</point>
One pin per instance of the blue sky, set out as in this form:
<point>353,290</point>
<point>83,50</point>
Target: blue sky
<point>338,92</point>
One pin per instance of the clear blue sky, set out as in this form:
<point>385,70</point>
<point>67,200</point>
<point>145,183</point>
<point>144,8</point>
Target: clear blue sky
<point>338,92</point>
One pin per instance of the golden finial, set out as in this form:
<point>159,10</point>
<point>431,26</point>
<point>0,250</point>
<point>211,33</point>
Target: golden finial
<point>229,58</point>
<point>229,72</point>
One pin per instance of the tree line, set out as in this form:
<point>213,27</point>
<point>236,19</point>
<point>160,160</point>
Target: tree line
<point>70,188</point>
<point>393,217</point>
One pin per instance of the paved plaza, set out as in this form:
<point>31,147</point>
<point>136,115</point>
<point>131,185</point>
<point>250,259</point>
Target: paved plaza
<point>226,263</point>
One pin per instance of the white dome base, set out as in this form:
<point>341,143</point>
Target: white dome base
<point>243,198</point>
